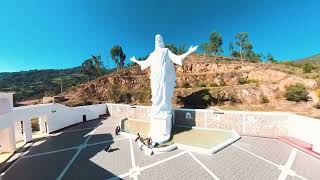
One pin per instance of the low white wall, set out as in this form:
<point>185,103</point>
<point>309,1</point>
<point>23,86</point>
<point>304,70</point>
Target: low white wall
<point>265,124</point>
<point>304,128</point>
<point>57,115</point>
<point>269,124</point>
<point>125,110</point>
<point>62,116</point>
<point>92,111</point>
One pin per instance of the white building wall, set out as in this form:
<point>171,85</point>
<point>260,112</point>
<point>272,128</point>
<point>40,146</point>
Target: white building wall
<point>18,131</point>
<point>7,133</point>
<point>7,140</point>
<point>60,116</point>
<point>27,131</point>
<point>43,120</point>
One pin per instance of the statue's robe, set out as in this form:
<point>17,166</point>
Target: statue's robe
<point>163,79</point>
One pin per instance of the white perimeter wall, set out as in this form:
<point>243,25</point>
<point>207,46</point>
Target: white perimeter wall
<point>265,124</point>
<point>268,124</point>
<point>56,116</point>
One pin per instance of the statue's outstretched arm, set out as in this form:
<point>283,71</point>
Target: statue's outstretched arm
<point>143,64</point>
<point>178,59</point>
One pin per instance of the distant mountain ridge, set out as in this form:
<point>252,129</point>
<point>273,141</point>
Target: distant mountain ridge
<point>35,84</point>
<point>315,59</point>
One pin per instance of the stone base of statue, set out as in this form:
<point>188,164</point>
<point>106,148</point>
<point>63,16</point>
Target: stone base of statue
<point>160,127</point>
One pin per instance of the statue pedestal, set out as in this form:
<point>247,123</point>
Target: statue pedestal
<point>160,127</point>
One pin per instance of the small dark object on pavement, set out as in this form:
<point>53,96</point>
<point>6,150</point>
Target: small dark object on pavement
<point>138,137</point>
<point>117,130</point>
<point>149,142</point>
<point>107,148</point>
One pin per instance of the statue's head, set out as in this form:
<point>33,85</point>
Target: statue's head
<point>159,41</point>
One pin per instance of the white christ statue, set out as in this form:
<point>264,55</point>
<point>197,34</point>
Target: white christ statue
<point>163,80</point>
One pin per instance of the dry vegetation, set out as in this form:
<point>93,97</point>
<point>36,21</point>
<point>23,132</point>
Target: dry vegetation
<point>206,81</point>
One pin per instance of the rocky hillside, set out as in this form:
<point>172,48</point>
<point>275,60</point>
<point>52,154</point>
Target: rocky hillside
<point>204,82</point>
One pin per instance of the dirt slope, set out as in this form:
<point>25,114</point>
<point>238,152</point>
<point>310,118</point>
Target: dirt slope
<point>203,82</point>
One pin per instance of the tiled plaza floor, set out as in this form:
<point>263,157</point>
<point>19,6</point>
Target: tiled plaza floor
<point>78,153</point>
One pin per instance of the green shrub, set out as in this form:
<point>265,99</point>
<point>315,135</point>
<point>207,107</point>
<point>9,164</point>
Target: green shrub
<point>223,83</point>
<point>213,85</point>
<point>307,68</point>
<point>232,97</point>
<point>297,92</point>
<point>201,84</point>
<point>185,85</point>
<point>264,99</point>
<point>247,81</point>
<point>221,98</point>
<point>291,63</point>
<point>35,124</point>
<point>144,96</point>
<point>206,97</point>
<point>318,92</point>
<point>242,81</point>
<point>126,98</point>
<point>114,94</point>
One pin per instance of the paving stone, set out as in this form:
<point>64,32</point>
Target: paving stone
<point>182,167</point>
<point>94,162</point>
<point>88,124</point>
<point>142,159</point>
<point>233,163</point>
<point>40,167</point>
<point>103,133</point>
<point>270,149</point>
<point>292,178</point>
<point>110,120</point>
<point>306,166</point>
<point>60,141</point>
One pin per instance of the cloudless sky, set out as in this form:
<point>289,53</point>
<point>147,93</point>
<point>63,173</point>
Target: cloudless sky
<point>63,33</point>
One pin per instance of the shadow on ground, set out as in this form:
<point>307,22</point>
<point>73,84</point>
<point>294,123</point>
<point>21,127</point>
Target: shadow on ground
<point>36,164</point>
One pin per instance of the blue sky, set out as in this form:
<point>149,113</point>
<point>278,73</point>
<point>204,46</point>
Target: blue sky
<point>63,33</point>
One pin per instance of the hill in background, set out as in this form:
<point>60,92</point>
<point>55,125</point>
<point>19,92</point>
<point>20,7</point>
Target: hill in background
<point>35,84</point>
<point>315,59</point>
<point>206,81</point>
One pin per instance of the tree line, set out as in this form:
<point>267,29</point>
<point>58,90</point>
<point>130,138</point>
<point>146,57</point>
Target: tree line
<point>93,67</point>
<point>241,48</point>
